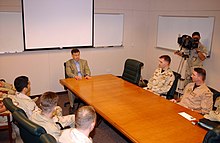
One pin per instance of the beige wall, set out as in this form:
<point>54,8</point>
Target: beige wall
<point>45,68</point>
<point>10,5</point>
<point>187,8</point>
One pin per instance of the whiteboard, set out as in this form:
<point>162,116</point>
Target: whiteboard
<point>108,30</point>
<point>170,27</point>
<point>11,32</point>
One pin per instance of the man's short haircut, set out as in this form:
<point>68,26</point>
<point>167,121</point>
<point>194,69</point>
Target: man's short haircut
<point>2,80</point>
<point>84,117</point>
<point>75,50</point>
<point>201,72</point>
<point>166,58</point>
<point>20,83</point>
<point>48,101</point>
<point>196,34</point>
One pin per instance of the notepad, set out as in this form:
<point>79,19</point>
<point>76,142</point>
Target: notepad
<point>187,116</point>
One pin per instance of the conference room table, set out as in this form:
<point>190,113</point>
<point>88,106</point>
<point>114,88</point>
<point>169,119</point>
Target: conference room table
<point>140,115</point>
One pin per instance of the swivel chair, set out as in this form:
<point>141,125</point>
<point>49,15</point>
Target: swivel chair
<point>11,107</point>
<point>30,132</point>
<point>132,71</point>
<point>215,95</point>
<point>212,136</point>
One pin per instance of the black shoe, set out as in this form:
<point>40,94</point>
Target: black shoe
<point>71,110</point>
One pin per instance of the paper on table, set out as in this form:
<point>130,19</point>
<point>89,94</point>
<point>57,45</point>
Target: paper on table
<point>187,116</point>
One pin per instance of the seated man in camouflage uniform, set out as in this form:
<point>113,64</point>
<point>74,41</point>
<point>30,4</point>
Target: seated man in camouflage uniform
<point>6,88</point>
<point>197,96</point>
<point>163,77</point>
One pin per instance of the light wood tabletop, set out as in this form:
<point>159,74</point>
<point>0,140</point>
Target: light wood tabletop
<point>137,113</point>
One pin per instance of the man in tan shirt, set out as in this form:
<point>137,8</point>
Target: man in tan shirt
<point>47,118</point>
<point>197,95</point>
<point>163,77</point>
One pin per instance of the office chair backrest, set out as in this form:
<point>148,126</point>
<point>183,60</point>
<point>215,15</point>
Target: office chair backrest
<point>11,107</point>
<point>132,71</point>
<point>171,92</point>
<point>30,132</point>
<point>47,138</point>
<point>212,136</point>
<point>215,95</point>
<point>66,76</point>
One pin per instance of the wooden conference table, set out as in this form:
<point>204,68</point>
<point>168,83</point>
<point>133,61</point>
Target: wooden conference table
<point>138,114</point>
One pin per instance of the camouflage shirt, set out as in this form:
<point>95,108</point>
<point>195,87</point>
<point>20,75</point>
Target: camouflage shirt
<point>161,82</point>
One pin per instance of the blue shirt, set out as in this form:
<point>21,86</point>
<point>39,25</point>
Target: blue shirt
<point>78,68</point>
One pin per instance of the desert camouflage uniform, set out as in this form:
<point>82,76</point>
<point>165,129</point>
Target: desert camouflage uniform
<point>161,82</point>
<point>6,88</point>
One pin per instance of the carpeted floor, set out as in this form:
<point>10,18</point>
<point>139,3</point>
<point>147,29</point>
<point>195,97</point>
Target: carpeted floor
<point>104,133</point>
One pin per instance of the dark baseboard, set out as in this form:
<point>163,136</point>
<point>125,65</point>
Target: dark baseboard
<point>61,92</point>
<point>58,93</point>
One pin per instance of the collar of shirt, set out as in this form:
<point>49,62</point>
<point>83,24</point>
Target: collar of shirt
<point>162,70</point>
<point>21,95</point>
<point>75,134</point>
<point>195,86</point>
<point>76,61</point>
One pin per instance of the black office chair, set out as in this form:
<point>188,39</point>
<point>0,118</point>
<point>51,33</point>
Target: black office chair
<point>212,136</point>
<point>65,74</point>
<point>11,107</point>
<point>215,95</point>
<point>172,91</point>
<point>47,138</point>
<point>30,132</point>
<point>132,71</point>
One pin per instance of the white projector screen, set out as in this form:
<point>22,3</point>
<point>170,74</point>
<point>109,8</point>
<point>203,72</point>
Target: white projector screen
<point>58,23</point>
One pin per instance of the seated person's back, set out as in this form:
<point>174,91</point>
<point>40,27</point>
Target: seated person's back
<point>44,118</point>
<point>47,116</point>
<point>85,122</point>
